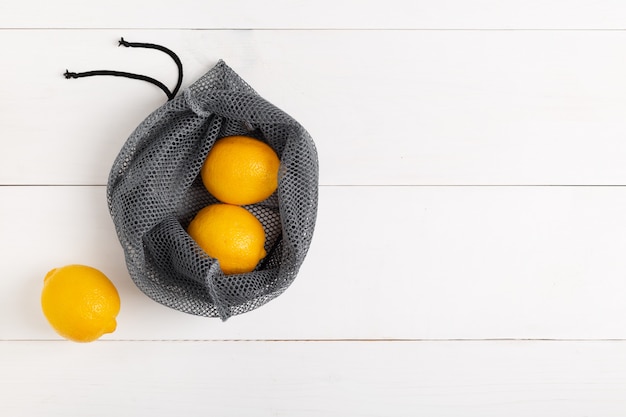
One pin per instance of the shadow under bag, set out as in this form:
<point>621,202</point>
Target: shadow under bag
<point>154,190</point>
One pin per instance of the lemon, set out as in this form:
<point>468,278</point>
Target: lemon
<point>240,170</point>
<point>80,302</point>
<point>230,234</point>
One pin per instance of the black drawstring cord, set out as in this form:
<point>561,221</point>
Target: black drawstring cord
<point>171,53</point>
<point>159,84</point>
<point>170,94</point>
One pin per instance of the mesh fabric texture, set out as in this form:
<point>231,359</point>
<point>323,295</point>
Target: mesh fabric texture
<point>154,190</point>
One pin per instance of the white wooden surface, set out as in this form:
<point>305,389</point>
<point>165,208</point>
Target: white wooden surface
<point>468,258</point>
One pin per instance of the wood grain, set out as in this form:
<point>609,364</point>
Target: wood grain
<point>322,14</point>
<point>386,263</point>
<point>437,108</point>
<point>314,378</point>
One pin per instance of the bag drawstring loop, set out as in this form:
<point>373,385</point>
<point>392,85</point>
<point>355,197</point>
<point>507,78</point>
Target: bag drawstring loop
<point>170,94</point>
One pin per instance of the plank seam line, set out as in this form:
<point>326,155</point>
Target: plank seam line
<point>376,185</point>
<point>341,340</point>
<point>314,29</point>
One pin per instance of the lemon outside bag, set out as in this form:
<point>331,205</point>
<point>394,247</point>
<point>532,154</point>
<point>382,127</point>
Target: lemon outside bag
<point>154,191</point>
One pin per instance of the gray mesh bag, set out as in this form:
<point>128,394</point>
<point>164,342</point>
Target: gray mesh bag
<point>154,190</point>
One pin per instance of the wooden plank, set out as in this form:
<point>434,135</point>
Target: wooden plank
<point>386,263</point>
<point>323,14</point>
<point>385,107</point>
<point>313,378</point>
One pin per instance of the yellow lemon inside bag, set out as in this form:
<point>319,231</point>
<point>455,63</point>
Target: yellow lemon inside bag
<point>240,170</point>
<point>230,234</point>
<point>80,302</point>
